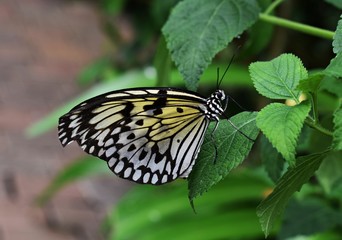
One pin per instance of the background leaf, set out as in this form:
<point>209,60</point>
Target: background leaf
<point>198,29</point>
<point>232,146</point>
<point>278,78</point>
<point>330,172</point>
<point>308,217</point>
<point>282,124</point>
<point>273,206</point>
<point>81,168</point>
<point>169,207</point>
<point>336,3</point>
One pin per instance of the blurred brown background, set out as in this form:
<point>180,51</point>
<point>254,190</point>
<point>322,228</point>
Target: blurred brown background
<point>43,45</point>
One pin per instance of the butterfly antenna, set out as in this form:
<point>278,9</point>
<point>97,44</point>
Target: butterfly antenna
<point>230,63</point>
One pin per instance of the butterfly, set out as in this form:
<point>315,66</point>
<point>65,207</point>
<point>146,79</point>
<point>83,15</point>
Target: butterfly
<point>146,135</point>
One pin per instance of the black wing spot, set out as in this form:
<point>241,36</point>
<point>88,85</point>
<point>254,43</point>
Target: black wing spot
<point>119,145</point>
<point>131,136</point>
<point>139,122</point>
<point>142,155</point>
<point>180,110</point>
<point>131,148</point>
<point>178,140</point>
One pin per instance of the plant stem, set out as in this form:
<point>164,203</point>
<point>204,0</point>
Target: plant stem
<point>272,6</point>
<point>314,107</point>
<point>318,127</point>
<point>297,26</point>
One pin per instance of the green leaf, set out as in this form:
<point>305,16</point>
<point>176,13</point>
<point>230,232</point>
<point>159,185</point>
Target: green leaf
<point>198,29</point>
<point>337,134</point>
<point>278,78</point>
<point>82,168</point>
<point>337,42</point>
<point>330,171</point>
<point>308,217</point>
<point>273,206</point>
<point>232,147</point>
<point>271,159</point>
<point>94,71</point>
<point>310,84</point>
<point>335,67</point>
<point>282,124</point>
<point>140,216</point>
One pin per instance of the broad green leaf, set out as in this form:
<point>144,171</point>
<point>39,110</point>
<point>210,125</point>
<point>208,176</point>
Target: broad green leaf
<point>273,206</point>
<point>282,124</point>
<point>271,159</point>
<point>337,42</point>
<point>337,134</point>
<point>140,216</point>
<point>335,67</point>
<point>198,29</point>
<point>233,148</point>
<point>82,168</point>
<point>310,84</point>
<point>278,78</point>
<point>308,217</point>
<point>330,171</point>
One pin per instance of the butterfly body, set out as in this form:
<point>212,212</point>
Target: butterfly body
<point>147,135</point>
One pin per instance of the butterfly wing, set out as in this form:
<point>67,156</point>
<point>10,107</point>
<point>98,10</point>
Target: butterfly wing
<point>146,135</point>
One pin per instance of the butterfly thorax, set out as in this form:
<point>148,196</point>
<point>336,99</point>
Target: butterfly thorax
<point>214,105</point>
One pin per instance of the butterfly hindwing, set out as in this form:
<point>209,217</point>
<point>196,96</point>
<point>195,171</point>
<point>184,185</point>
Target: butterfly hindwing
<point>145,135</point>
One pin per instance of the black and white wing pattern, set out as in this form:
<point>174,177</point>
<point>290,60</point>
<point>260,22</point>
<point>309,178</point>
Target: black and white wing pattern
<point>146,135</point>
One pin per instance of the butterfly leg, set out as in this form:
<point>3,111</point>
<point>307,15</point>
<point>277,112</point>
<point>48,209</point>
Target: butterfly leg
<point>213,139</point>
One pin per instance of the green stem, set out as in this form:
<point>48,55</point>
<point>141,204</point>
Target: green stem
<point>272,6</point>
<point>314,108</point>
<point>297,26</point>
<point>318,127</point>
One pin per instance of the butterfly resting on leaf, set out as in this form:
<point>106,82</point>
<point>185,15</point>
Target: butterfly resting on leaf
<point>146,135</point>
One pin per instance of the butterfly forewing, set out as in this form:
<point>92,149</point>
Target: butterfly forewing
<point>145,135</point>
